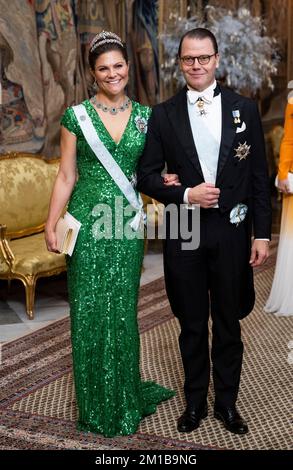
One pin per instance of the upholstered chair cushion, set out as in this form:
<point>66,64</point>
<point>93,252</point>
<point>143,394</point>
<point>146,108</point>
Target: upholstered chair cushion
<point>32,256</point>
<point>27,180</point>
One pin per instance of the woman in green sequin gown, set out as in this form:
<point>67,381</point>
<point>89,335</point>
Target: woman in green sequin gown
<point>103,285</point>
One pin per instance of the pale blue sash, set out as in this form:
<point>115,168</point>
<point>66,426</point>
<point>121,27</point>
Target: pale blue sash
<point>114,170</point>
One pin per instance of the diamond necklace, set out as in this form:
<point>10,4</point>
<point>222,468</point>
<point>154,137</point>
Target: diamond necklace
<point>111,109</point>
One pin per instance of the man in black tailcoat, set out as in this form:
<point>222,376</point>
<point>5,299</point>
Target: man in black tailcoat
<point>213,139</point>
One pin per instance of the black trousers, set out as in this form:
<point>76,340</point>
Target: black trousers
<point>209,280</point>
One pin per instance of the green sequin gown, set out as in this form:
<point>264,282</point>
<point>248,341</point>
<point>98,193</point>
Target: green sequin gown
<point>103,284</point>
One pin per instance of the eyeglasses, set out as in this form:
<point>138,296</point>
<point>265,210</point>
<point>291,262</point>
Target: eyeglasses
<point>202,59</point>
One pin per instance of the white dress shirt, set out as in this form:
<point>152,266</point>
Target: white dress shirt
<point>206,131</point>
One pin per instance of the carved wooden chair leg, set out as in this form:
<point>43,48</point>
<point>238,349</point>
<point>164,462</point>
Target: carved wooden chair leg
<point>30,285</point>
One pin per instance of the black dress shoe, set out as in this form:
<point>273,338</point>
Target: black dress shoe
<point>232,420</point>
<point>191,418</point>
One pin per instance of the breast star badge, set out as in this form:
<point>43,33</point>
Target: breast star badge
<point>242,151</point>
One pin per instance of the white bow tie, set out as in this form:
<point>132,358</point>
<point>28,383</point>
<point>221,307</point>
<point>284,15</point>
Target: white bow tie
<point>193,95</point>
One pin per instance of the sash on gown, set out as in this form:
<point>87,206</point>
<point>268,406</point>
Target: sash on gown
<point>112,167</point>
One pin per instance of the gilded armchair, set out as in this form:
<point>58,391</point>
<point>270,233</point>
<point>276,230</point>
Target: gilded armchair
<point>26,181</point>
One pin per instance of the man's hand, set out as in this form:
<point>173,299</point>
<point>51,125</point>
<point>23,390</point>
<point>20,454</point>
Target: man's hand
<point>259,252</point>
<point>204,194</point>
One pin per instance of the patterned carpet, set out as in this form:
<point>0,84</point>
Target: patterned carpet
<point>37,402</point>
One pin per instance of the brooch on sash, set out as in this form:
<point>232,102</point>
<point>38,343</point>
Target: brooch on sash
<point>242,151</point>
<point>238,214</point>
<point>141,124</point>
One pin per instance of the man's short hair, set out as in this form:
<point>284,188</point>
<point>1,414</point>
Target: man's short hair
<point>199,33</point>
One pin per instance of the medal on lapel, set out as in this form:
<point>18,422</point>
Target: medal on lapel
<point>236,116</point>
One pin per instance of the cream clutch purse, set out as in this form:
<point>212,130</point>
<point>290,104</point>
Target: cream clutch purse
<point>67,229</point>
<point>290,181</point>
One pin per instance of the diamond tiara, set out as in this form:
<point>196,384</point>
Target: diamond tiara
<point>103,38</point>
